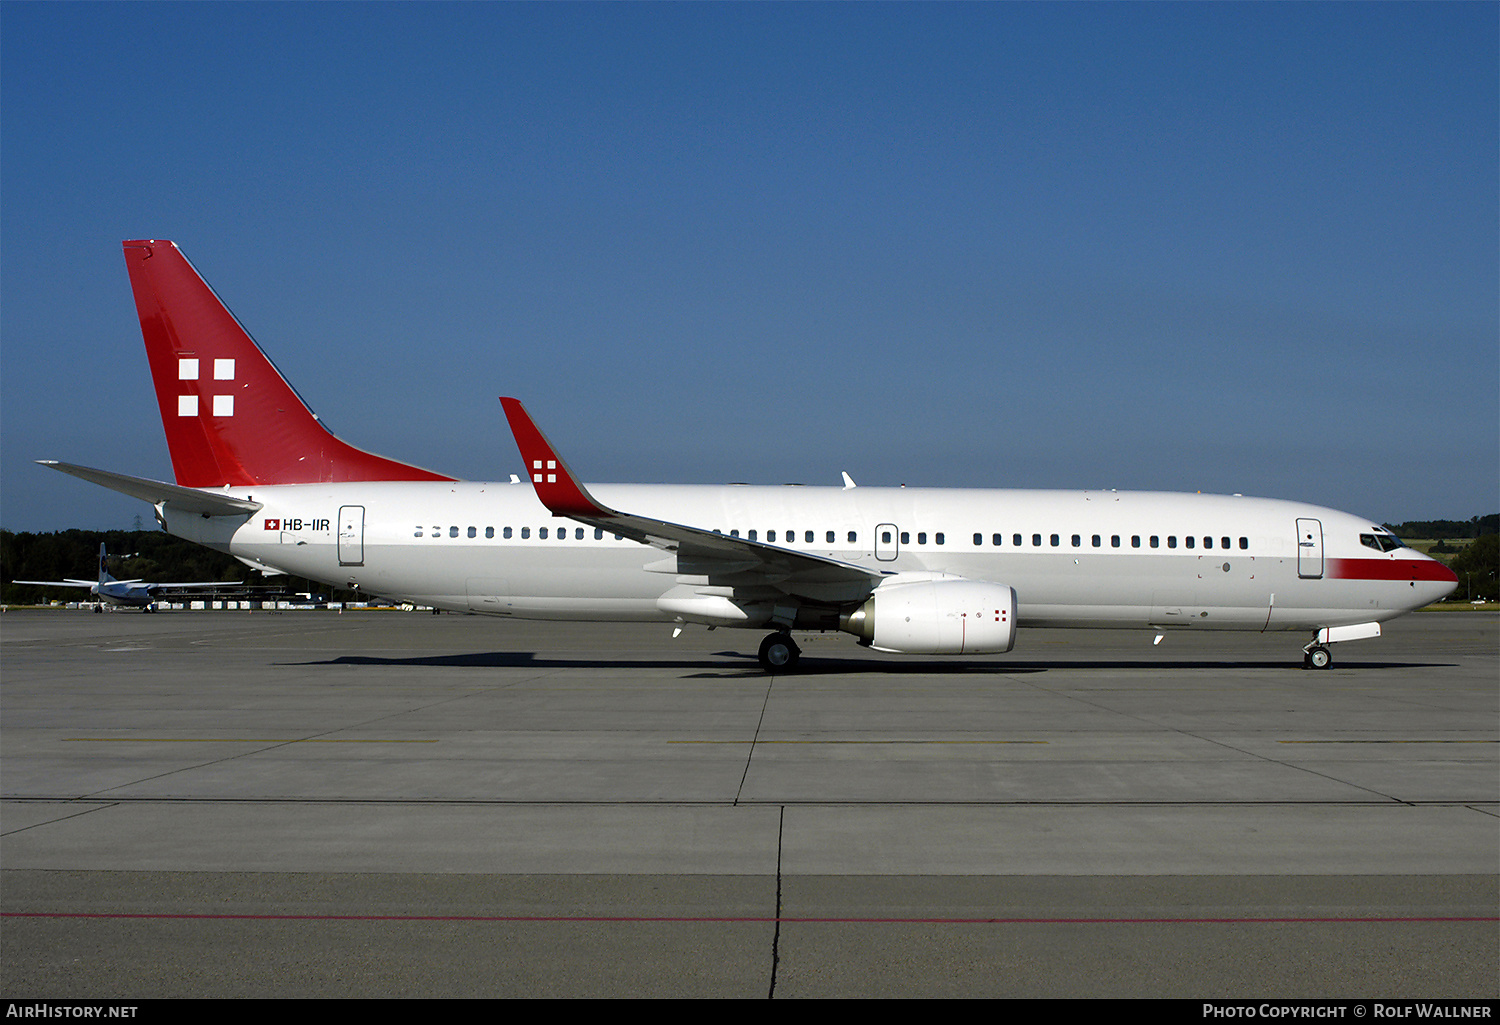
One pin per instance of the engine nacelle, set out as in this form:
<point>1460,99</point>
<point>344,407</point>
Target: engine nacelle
<point>949,616</point>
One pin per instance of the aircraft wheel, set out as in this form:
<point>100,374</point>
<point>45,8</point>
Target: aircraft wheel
<point>1317,658</point>
<point>779,653</point>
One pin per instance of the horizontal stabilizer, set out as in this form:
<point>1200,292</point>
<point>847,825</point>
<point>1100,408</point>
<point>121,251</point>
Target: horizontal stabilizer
<point>192,500</point>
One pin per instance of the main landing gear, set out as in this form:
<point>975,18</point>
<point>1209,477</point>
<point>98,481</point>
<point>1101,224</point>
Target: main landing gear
<point>779,653</point>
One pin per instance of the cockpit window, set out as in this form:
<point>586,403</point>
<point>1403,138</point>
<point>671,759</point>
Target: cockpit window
<point>1381,542</point>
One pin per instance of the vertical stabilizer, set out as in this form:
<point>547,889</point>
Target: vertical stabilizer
<point>229,415</point>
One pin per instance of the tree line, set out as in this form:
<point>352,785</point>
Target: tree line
<point>1447,530</point>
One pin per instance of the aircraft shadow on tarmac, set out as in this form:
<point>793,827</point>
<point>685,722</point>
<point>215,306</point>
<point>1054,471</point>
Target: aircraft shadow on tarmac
<point>826,666</point>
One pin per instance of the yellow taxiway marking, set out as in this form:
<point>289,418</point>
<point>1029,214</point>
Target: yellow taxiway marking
<point>236,740</point>
<point>758,742</point>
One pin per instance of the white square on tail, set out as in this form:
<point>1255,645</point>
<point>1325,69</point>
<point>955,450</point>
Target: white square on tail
<point>187,370</point>
<point>223,405</point>
<point>187,405</point>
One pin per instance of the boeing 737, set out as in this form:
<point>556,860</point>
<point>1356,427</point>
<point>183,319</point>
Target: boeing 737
<point>136,593</point>
<point>914,570</point>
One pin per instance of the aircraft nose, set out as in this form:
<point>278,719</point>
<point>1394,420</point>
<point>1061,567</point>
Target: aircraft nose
<point>1439,581</point>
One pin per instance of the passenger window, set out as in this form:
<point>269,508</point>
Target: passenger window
<point>1056,540</point>
<point>828,539</point>
<point>1171,541</point>
<point>906,537</point>
<point>489,531</point>
<point>853,537</point>
<point>599,533</point>
<point>1096,541</point>
<point>751,535</point>
<point>542,533</point>
<point>808,537</point>
<point>939,537</point>
<point>1114,541</point>
<point>978,540</point>
<point>1188,540</point>
<point>1244,543</point>
<point>771,536</point>
<point>1208,542</point>
<point>1036,540</point>
<point>1135,540</point>
<point>452,531</point>
<point>1015,540</point>
<point>525,533</point>
<point>418,533</point>
<point>1155,541</point>
<point>1077,541</point>
<point>1223,542</point>
<point>922,537</point>
<point>997,539</point>
<point>506,533</point>
<point>577,533</point>
<point>473,532</point>
<point>734,533</point>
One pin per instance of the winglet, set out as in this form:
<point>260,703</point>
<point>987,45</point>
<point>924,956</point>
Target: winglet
<point>556,485</point>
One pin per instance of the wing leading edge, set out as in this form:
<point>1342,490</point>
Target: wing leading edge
<point>754,570</point>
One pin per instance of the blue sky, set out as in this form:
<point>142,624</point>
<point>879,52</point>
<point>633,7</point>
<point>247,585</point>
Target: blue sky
<point>1232,247</point>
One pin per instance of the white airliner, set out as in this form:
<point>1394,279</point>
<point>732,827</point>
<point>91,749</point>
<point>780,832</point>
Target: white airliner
<point>135,593</point>
<point>916,570</point>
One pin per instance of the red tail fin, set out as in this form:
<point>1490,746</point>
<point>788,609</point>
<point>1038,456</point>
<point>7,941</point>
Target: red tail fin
<point>230,417</point>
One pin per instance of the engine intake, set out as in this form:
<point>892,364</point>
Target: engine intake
<point>936,617</point>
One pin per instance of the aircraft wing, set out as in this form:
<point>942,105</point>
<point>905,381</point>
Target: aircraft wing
<point>192,500</point>
<point>725,560</point>
<point>56,583</point>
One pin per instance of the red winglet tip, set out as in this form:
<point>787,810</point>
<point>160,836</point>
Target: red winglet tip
<point>556,486</point>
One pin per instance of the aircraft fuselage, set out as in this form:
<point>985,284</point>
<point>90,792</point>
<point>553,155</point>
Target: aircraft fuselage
<point>1074,558</point>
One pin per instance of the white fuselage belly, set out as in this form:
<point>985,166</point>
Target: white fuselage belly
<point>446,545</point>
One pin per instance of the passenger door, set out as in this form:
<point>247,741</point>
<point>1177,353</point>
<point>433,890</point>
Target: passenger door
<point>1310,549</point>
<point>351,535</point>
